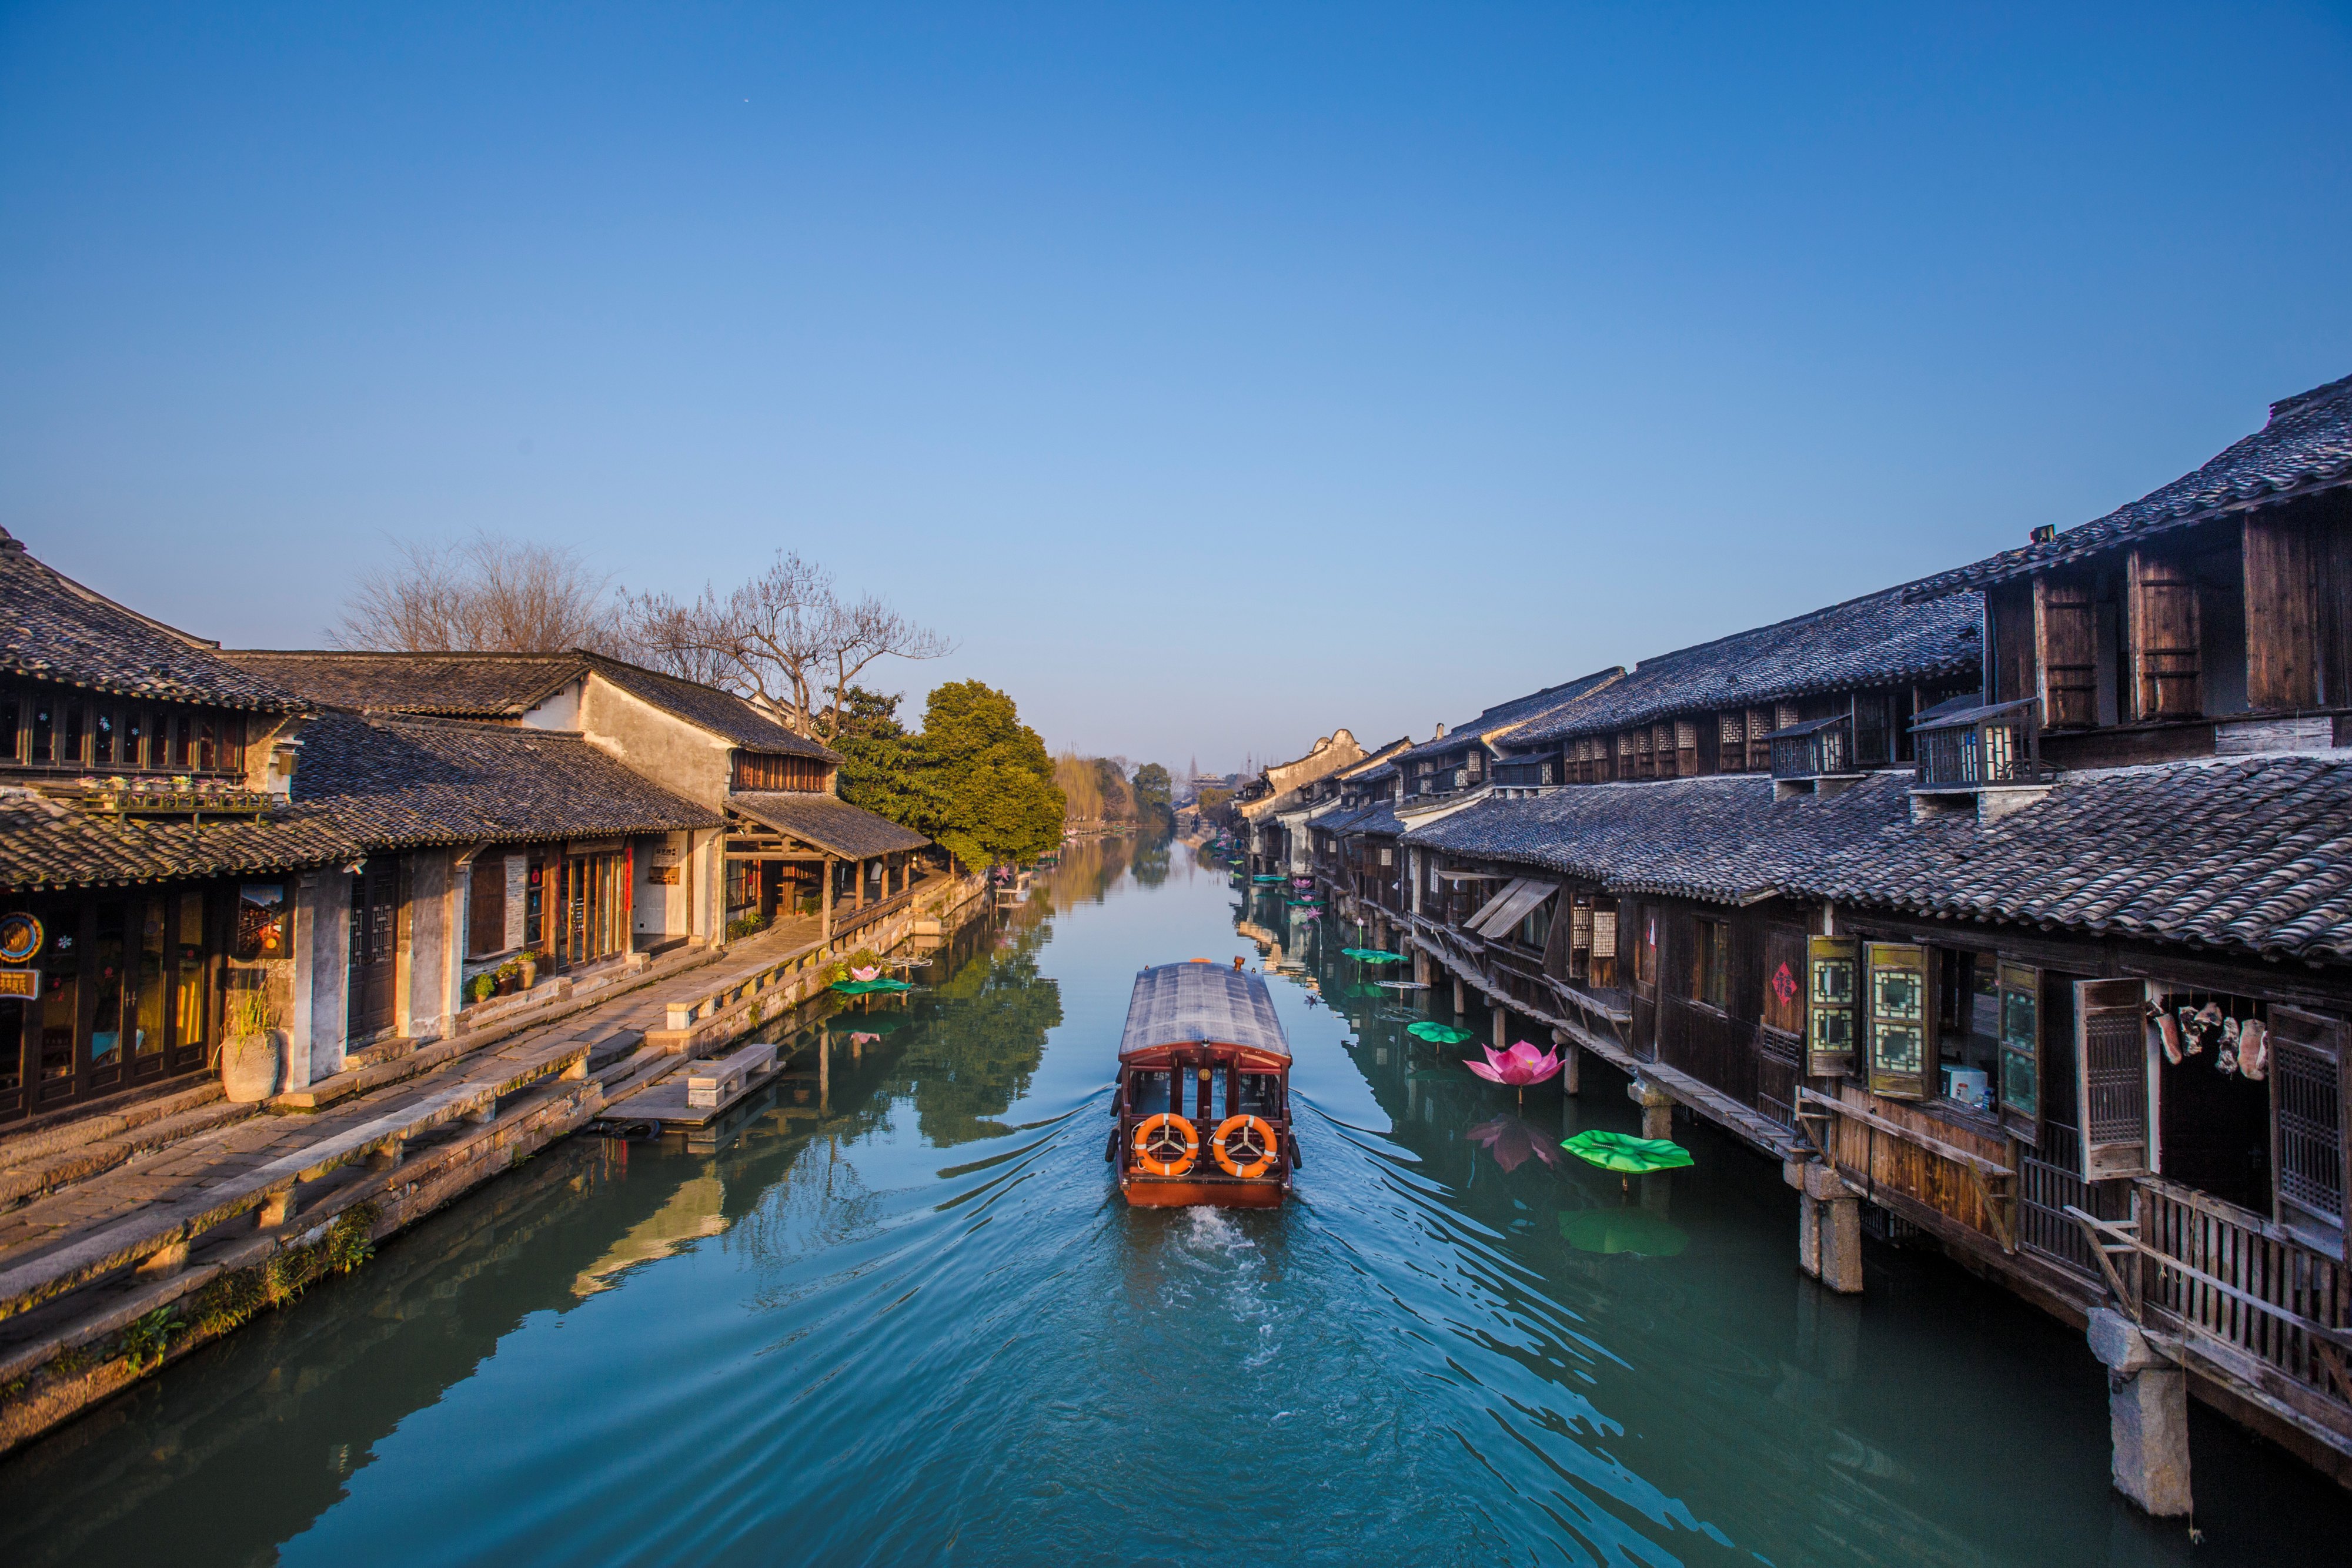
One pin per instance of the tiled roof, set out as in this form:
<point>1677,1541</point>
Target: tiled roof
<point>1381,821</point>
<point>1374,775</point>
<point>1518,711</point>
<point>1882,639</point>
<point>397,782</point>
<point>1722,839</point>
<point>455,686</point>
<point>52,628</point>
<point>721,713</point>
<point>48,842</point>
<point>2305,446</point>
<point>826,821</point>
<point>2254,855</point>
<point>1338,819</point>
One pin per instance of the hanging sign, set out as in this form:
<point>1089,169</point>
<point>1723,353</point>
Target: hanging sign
<point>24,983</point>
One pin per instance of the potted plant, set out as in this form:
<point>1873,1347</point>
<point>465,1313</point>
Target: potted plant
<point>252,1052</point>
<point>528,969</point>
<point>481,987</point>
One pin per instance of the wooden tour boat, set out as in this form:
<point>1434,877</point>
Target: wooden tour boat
<point>1204,1100</point>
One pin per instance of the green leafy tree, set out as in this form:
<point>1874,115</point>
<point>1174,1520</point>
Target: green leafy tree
<point>987,784</point>
<point>881,765</point>
<point>1110,782</point>
<point>1153,789</point>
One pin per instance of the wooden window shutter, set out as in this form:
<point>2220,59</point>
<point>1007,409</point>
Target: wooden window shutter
<point>2167,638</point>
<point>1604,931</point>
<point>2066,631</point>
<point>1687,747</point>
<point>1902,1040</point>
<point>2021,1047</point>
<point>2010,641</point>
<point>1760,745</point>
<point>2283,614</point>
<point>1783,1004</point>
<point>2332,565</point>
<point>1829,1005</point>
<point>1559,939</point>
<point>2311,1119</point>
<point>1580,937</point>
<point>2111,1077</point>
<point>1731,743</point>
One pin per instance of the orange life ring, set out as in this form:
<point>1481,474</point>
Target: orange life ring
<point>1156,1139</point>
<point>1265,1144</point>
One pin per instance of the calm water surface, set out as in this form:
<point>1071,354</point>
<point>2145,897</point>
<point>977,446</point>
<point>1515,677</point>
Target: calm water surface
<point>915,1325</point>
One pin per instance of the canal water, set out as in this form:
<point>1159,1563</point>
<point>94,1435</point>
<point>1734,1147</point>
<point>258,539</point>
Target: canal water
<point>909,1322</point>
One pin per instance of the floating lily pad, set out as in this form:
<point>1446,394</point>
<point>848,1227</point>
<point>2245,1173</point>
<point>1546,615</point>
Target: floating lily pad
<point>869,987</point>
<point>1439,1033</point>
<point>1623,1152</point>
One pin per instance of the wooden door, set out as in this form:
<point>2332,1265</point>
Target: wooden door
<point>373,991</point>
<point>2111,1076</point>
<point>2283,613</point>
<point>2067,627</point>
<point>2167,638</point>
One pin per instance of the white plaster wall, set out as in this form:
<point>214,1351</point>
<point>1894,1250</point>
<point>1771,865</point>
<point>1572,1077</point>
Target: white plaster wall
<point>560,711</point>
<point>683,758</point>
<point>328,953</point>
<point>430,943</point>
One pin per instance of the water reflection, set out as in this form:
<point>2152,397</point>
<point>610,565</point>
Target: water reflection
<point>903,1318</point>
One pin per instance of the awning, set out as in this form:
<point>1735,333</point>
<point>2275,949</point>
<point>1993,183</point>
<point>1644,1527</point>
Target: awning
<point>1510,907</point>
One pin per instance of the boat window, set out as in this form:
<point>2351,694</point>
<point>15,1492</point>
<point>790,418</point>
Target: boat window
<point>1147,1089</point>
<point>1260,1094</point>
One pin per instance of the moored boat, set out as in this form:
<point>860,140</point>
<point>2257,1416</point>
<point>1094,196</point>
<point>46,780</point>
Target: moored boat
<point>1203,1103</point>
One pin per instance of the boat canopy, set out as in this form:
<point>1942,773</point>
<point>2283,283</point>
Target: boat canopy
<point>1192,1004</point>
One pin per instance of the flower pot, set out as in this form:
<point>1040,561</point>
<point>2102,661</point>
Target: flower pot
<point>251,1066</point>
<point>530,973</point>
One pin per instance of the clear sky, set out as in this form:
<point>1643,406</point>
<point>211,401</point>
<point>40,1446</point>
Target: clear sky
<point>1214,374</point>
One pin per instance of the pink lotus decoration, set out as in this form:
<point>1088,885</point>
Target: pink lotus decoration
<point>864,1039</point>
<point>1512,1141</point>
<point>1517,1068</point>
<point>866,974</point>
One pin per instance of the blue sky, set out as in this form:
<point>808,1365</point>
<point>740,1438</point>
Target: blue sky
<point>1213,375</point>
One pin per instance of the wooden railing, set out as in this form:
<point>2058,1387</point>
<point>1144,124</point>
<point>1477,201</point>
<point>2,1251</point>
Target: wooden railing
<point>849,923</point>
<point>2233,1285</point>
<point>1902,1165</point>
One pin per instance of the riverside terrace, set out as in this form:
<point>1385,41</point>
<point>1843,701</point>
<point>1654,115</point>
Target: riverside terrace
<point>2042,958</point>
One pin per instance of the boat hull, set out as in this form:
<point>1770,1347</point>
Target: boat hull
<point>1175,1192</point>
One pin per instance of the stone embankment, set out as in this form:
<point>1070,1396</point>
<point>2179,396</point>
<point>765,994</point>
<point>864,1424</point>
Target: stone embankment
<point>127,1241</point>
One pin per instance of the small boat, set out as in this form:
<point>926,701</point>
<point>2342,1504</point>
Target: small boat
<point>1203,1104</point>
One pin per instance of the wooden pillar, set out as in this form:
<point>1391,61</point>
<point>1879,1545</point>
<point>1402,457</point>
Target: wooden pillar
<point>861,884</point>
<point>824,900</point>
<point>823,1068</point>
<point>1828,1229</point>
<point>1571,1062</point>
<point>1460,1002</point>
<point>1502,1027</point>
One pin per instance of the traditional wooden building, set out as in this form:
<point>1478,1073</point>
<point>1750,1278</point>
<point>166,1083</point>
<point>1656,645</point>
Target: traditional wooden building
<point>1460,764</point>
<point>1272,808</point>
<point>788,846</point>
<point>2068,994</point>
<point>151,862</point>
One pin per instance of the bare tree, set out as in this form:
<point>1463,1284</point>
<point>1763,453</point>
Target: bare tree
<point>785,640</point>
<point>485,594</point>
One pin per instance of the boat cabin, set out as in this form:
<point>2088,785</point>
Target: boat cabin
<point>1203,1101</point>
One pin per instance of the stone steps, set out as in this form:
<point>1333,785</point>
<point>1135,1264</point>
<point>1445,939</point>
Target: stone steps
<point>37,1178</point>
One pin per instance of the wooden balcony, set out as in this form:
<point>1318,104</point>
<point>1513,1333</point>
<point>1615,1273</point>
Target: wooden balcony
<point>1962,745</point>
<point>1822,748</point>
<point>2248,1302</point>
